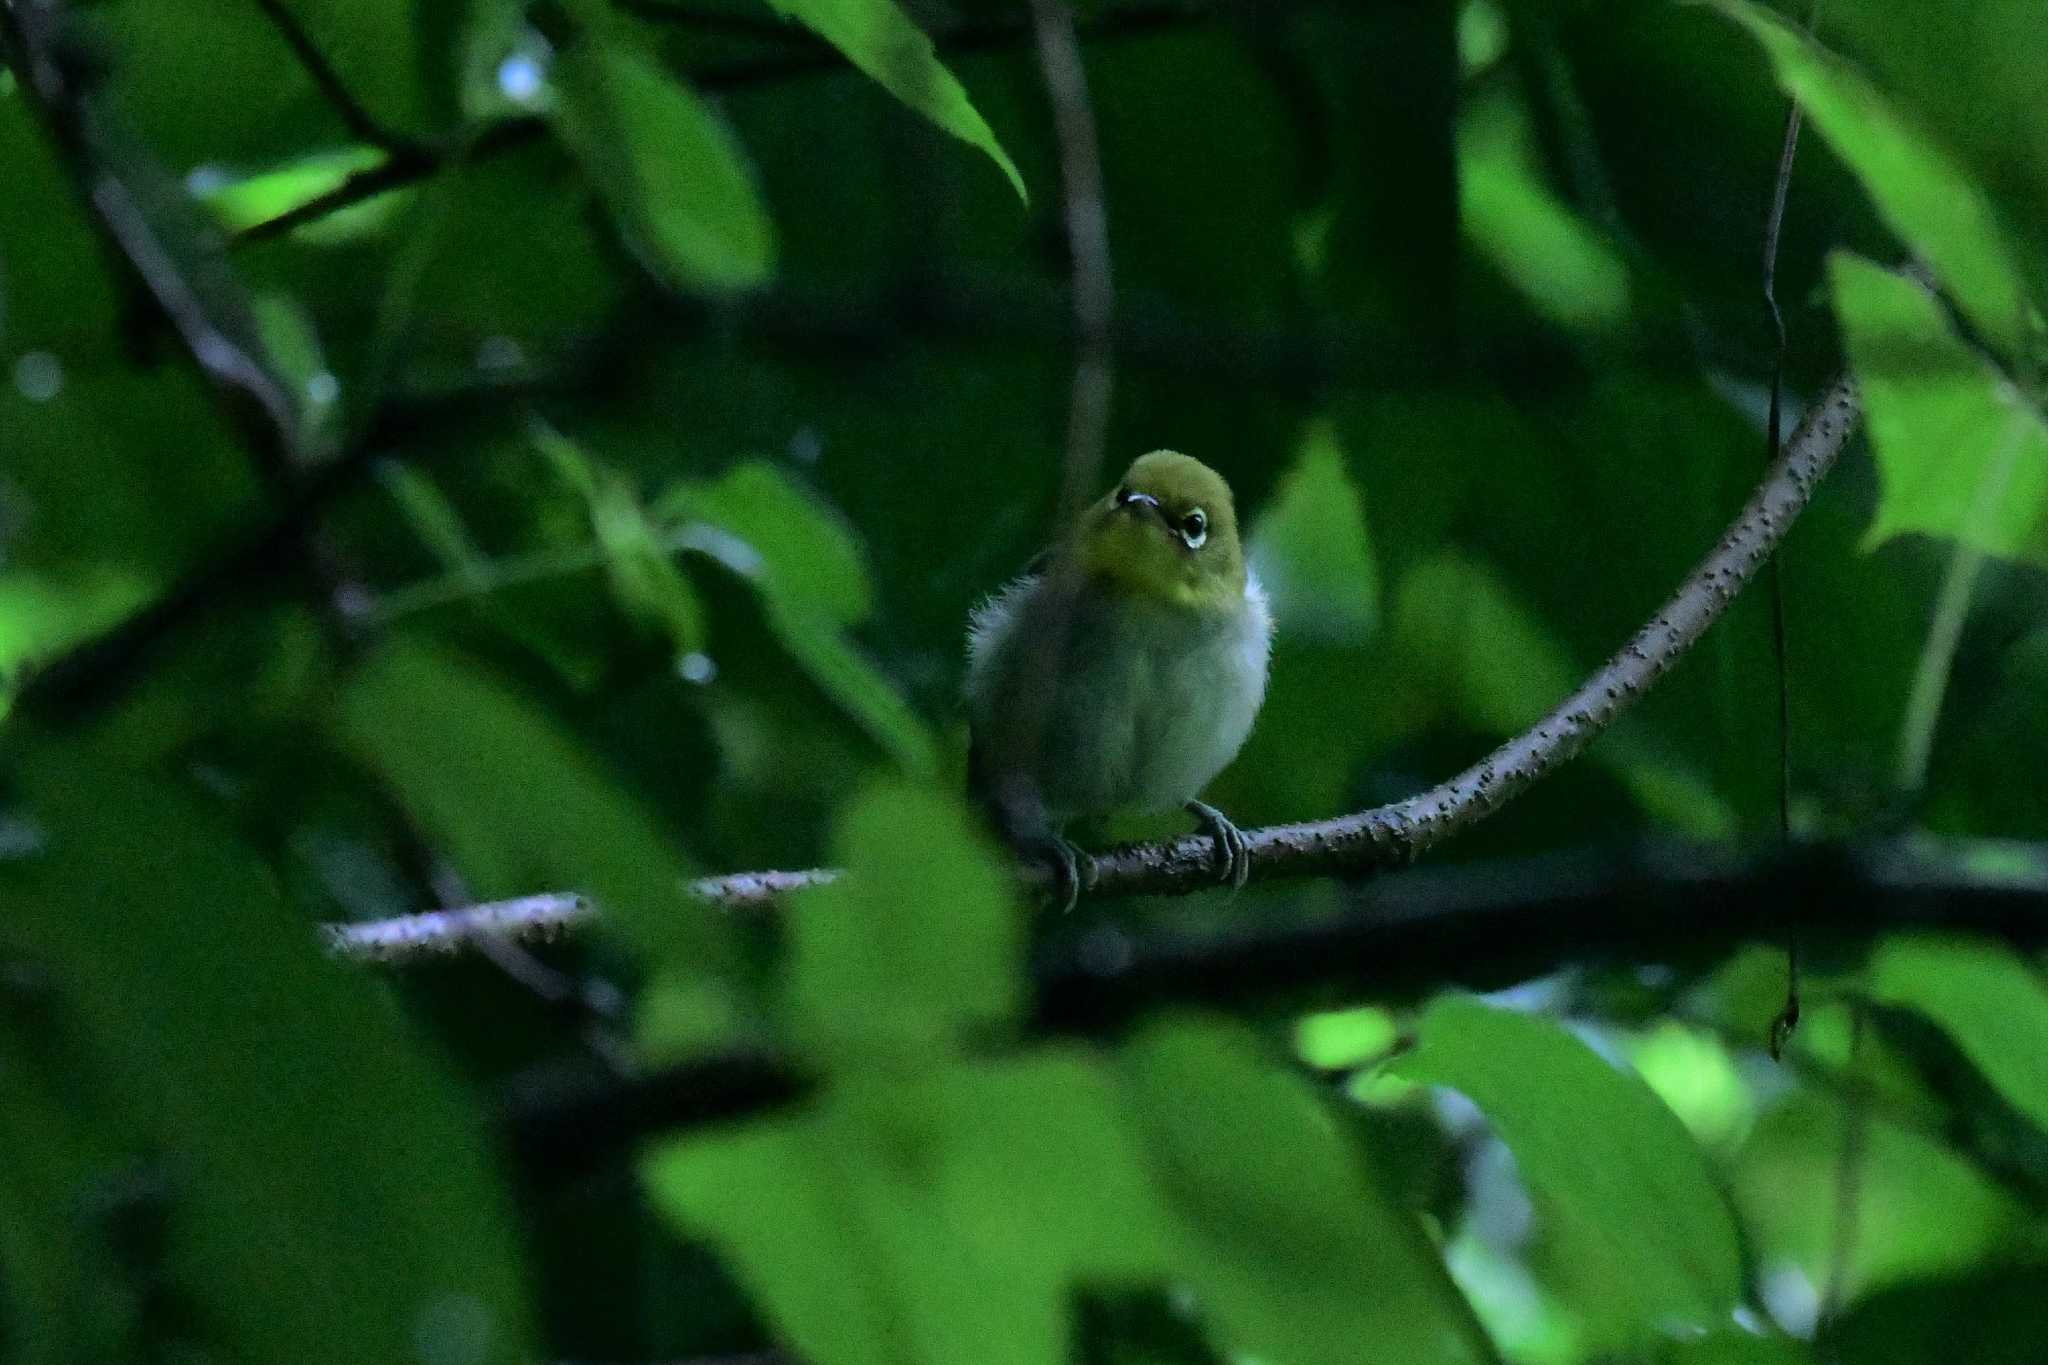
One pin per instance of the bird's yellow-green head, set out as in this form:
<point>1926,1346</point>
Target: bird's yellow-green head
<point>1167,531</point>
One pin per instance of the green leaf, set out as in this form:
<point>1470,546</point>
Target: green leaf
<point>1692,1072</point>
<point>644,579</point>
<point>1987,998</point>
<point>927,1217</point>
<point>57,1268</point>
<point>1632,1200</point>
<point>1961,452</point>
<point>372,46</point>
<point>673,176</point>
<point>832,662</point>
<point>920,941</point>
<point>1736,1347</point>
<point>808,569</point>
<point>242,202</point>
<point>881,40</point>
<point>1313,552</point>
<point>1918,187</point>
<point>327,1185</point>
<point>808,554</point>
<point>1479,644</point>
<point>1997,1316</point>
<point>1488,655</point>
<point>1296,1256</point>
<point>1919,1209</point>
<point>295,353</point>
<point>519,806</point>
<point>41,614</point>
<point>1569,272</point>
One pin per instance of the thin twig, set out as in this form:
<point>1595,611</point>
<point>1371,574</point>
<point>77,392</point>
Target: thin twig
<point>1848,1190</point>
<point>1788,1015</point>
<point>1951,611</point>
<point>1392,835</point>
<point>412,164</point>
<point>328,81</point>
<point>1087,224</point>
<point>120,201</point>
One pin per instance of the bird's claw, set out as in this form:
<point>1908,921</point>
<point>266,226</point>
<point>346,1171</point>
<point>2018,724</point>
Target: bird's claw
<point>1233,850</point>
<point>1073,869</point>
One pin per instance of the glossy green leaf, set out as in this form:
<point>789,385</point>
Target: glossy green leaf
<point>328,1190</point>
<point>519,805</point>
<point>879,38</point>
<point>1312,552</point>
<point>919,942</point>
<point>1626,1191</point>
<point>1961,452</point>
<point>1917,185</point>
<point>924,1218</point>
<point>1293,1252</point>
<point>673,176</point>
<point>1986,997</point>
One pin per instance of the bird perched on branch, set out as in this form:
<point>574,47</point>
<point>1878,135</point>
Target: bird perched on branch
<point>1123,670</point>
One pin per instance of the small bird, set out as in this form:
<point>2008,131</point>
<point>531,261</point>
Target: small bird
<point>1122,670</point>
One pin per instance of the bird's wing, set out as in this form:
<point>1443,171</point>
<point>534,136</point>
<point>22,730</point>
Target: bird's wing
<point>978,775</point>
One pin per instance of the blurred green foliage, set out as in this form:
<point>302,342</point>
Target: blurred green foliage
<point>696,366</point>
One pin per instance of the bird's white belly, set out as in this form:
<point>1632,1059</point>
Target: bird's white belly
<point>1144,707</point>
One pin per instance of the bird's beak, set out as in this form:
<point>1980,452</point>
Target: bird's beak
<point>1140,503</point>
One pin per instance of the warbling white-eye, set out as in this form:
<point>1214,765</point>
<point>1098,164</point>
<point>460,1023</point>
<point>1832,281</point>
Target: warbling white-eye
<point>1123,670</point>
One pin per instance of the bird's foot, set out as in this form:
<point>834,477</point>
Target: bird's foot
<point>1073,868</point>
<point>1232,849</point>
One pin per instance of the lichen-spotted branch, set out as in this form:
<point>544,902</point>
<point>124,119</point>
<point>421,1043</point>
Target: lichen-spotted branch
<point>1349,845</point>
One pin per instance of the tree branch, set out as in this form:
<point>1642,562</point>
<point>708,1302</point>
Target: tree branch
<point>358,120</point>
<point>1480,926</point>
<point>1348,846</point>
<point>1087,225</point>
<point>806,56</point>
<point>131,201</point>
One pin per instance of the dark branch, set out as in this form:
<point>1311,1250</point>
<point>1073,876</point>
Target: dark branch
<point>134,207</point>
<point>268,559</point>
<point>804,56</point>
<point>1774,221</point>
<point>359,121</point>
<point>397,171</point>
<point>1351,845</point>
<point>1087,225</point>
<point>1477,925</point>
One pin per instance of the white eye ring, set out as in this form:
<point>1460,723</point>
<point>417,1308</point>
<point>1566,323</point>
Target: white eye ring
<point>1194,529</point>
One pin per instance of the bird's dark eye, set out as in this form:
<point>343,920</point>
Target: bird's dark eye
<point>1194,528</point>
